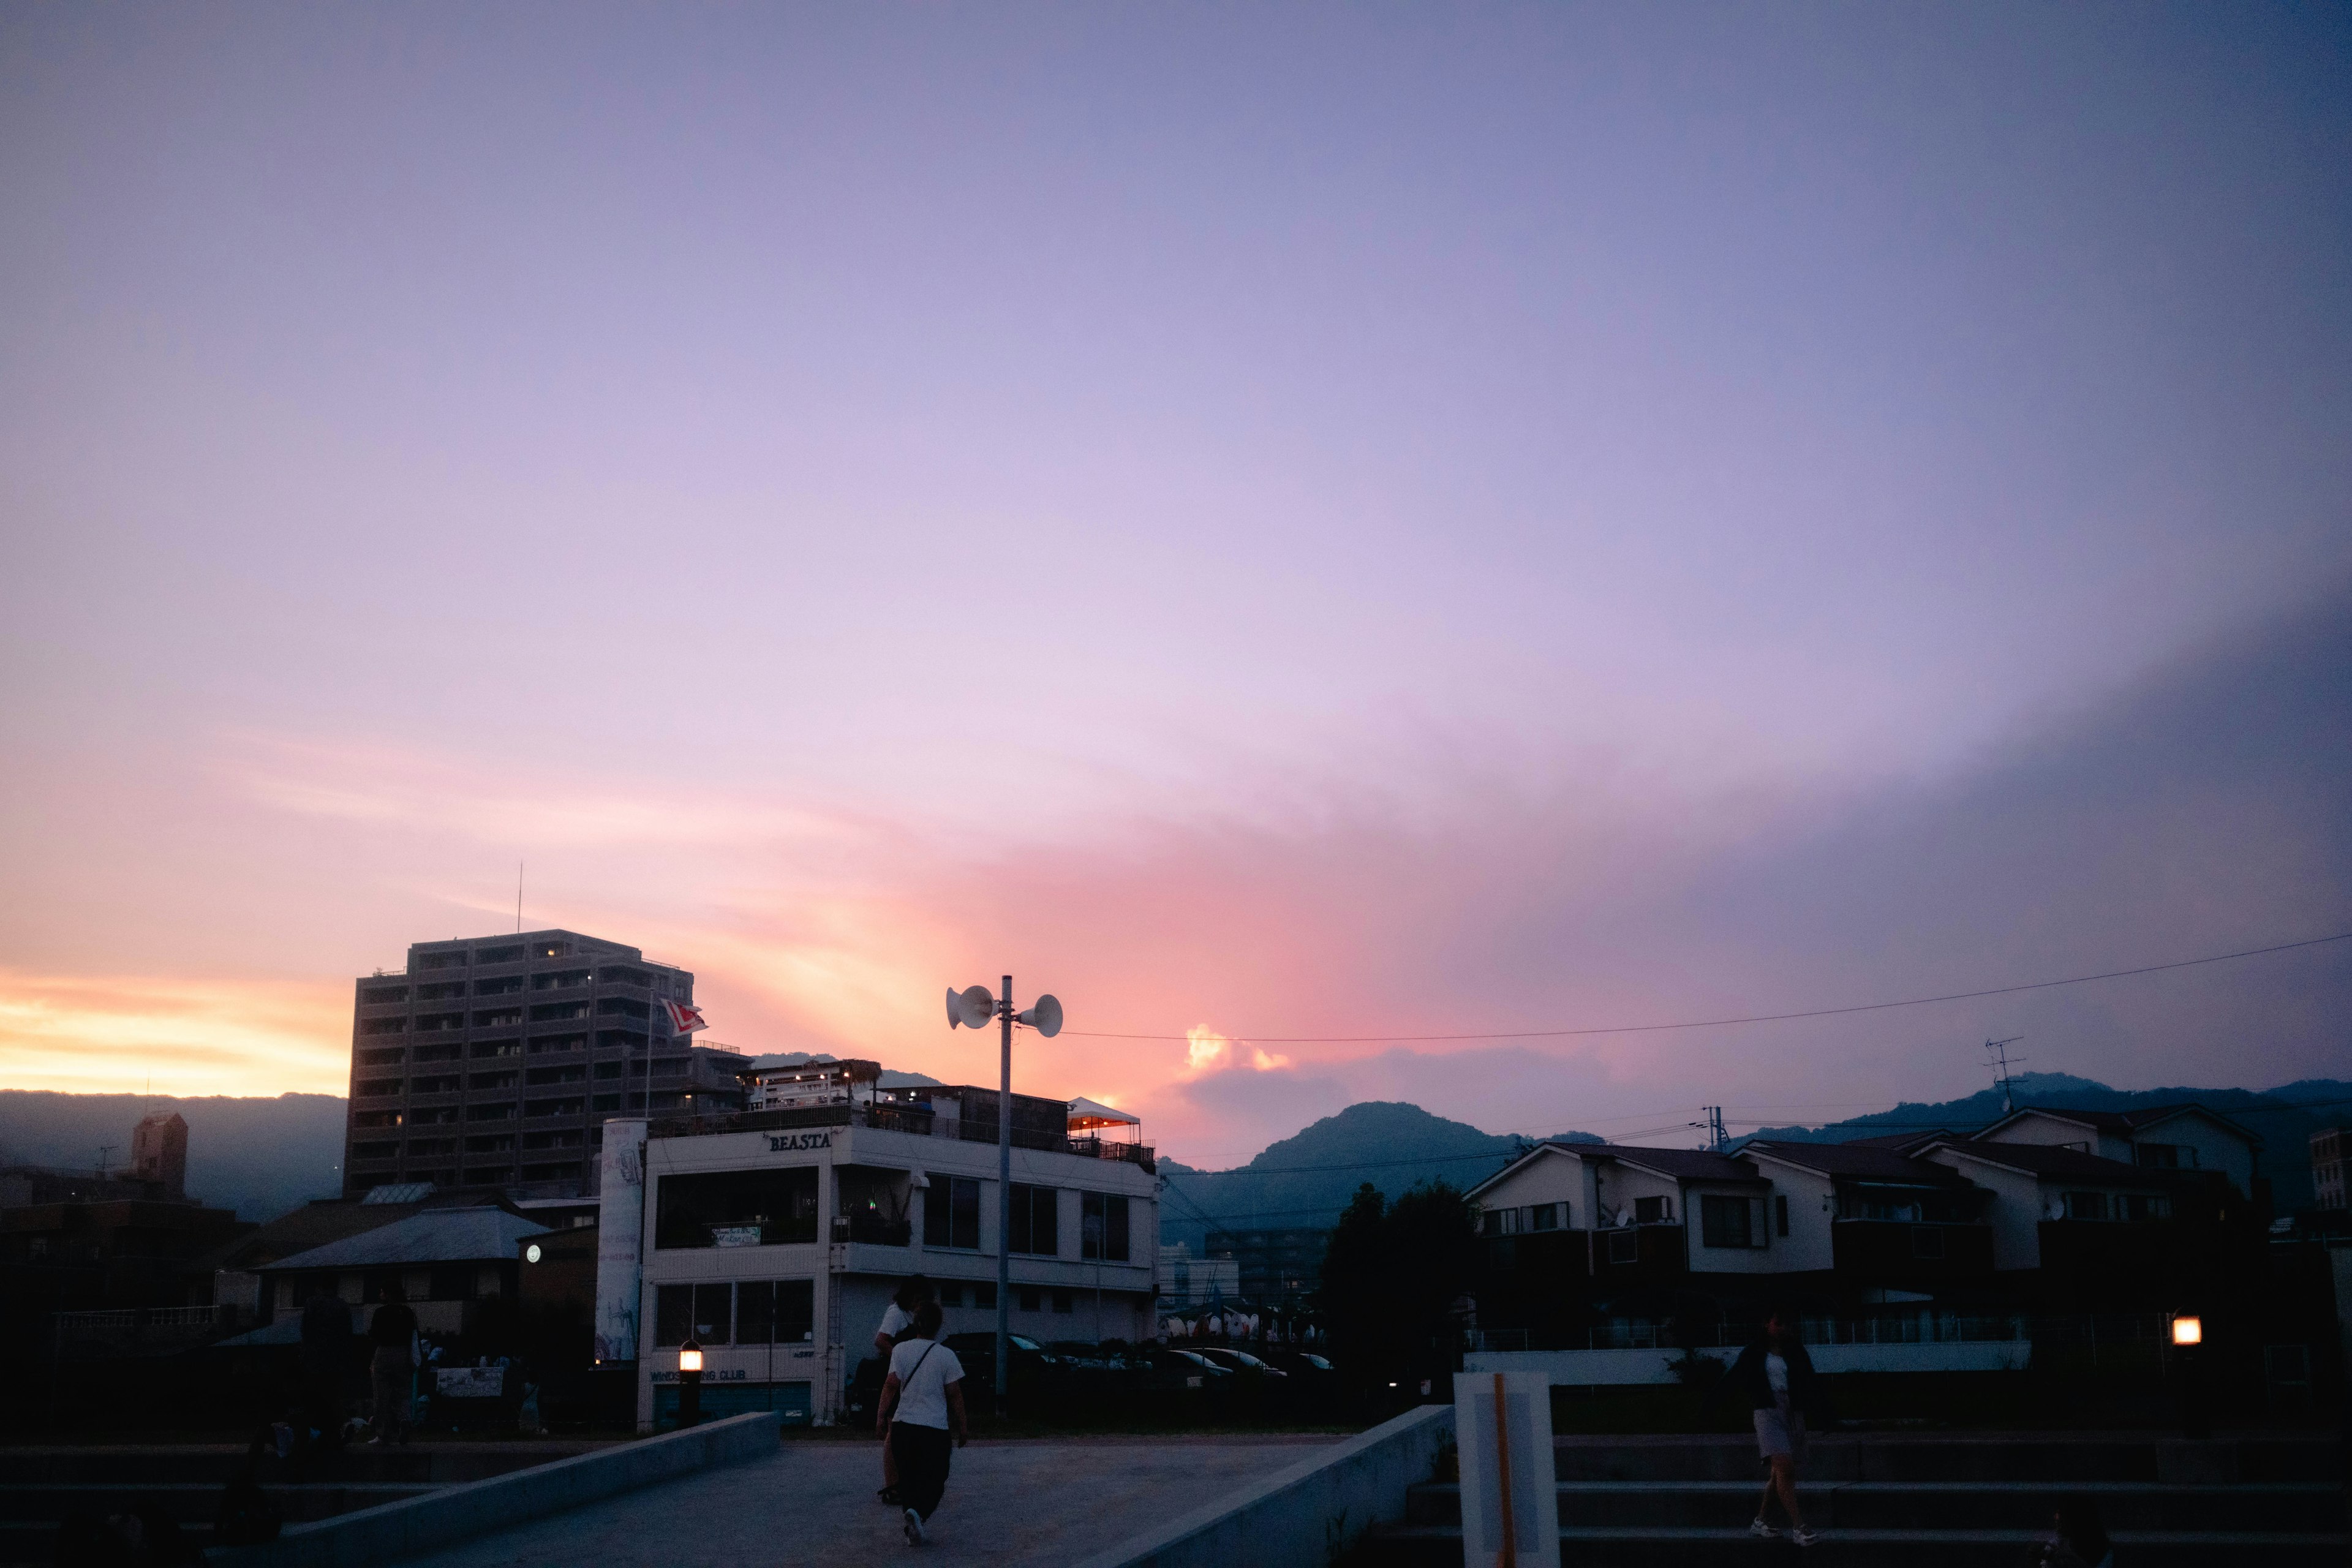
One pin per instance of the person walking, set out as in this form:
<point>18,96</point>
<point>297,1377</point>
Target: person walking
<point>326,1361</point>
<point>391,1368</point>
<point>1777,1378</point>
<point>922,1409</point>
<point>897,1321</point>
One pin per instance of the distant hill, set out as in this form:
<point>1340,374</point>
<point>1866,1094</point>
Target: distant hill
<point>260,1157</point>
<point>1306,1179</point>
<point>2285,1118</point>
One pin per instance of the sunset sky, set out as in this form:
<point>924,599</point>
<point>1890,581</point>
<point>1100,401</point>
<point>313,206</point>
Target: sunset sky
<point>1272,521</point>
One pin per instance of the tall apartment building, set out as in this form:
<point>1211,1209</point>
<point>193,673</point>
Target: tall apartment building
<point>494,1062</point>
<point>2328,1148</point>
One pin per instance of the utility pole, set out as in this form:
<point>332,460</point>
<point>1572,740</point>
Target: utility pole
<point>1997,1058</point>
<point>1713,1128</point>
<point>1004,1206</point>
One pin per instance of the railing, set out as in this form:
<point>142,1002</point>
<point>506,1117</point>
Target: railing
<point>897,1118</point>
<point>144,1318</point>
<point>1905,1329</point>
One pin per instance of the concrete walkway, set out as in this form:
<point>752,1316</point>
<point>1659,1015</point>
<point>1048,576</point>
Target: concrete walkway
<point>812,1503</point>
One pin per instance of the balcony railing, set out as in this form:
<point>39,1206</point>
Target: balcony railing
<point>898,1118</point>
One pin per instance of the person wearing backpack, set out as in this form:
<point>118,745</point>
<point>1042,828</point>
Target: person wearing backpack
<point>921,1410</point>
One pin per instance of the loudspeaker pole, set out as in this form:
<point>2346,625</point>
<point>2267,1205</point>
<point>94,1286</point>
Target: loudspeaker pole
<point>1004,1206</point>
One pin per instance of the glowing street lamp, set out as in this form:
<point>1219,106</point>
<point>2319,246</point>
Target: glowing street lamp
<point>689,1383</point>
<point>2189,1330</point>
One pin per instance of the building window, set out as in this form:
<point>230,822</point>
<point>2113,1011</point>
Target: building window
<point>453,1282</point>
<point>2086,1205</point>
<point>2165,1156</point>
<point>385,1027</point>
<point>497,987</point>
<point>1102,1228</point>
<point>1030,1297</point>
<point>769,1207</point>
<point>1651,1211</point>
<point>454,959</point>
<point>1545,1217</point>
<point>500,954</point>
<point>1780,1214</point>
<point>380,995</point>
<point>1061,1302</point>
<point>2139,1208</point>
<point>1036,1222</point>
<point>1624,1247</point>
<point>775,1312</point>
<point>1927,1241</point>
<point>1724,1221</point>
<point>985,1295</point>
<point>483,1050</point>
<point>951,1212</point>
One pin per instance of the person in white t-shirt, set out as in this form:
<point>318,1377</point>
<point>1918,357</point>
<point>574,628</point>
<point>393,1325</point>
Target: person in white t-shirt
<point>897,1321</point>
<point>922,1409</point>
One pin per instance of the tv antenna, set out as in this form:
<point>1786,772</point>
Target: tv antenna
<point>1996,1056</point>
<point>103,1150</point>
<point>972,1007</point>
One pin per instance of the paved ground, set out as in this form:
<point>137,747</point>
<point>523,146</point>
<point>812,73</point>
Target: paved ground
<point>812,1503</point>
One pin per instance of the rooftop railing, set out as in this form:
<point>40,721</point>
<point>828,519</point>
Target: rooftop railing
<point>898,1118</point>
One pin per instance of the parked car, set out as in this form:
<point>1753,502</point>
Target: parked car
<point>1240,1361</point>
<point>1033,1366</point>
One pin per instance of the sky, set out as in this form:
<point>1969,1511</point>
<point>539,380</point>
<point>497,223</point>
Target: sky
<point>1264,522</point>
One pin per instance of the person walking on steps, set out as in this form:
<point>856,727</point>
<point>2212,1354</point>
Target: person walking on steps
<point>1777,1378</point>
<point>921,1408</point>
<point>897,1323</point>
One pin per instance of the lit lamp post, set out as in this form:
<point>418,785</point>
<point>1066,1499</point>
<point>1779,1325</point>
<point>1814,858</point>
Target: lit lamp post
<point>689,1383</point>
<point>972,1008</point>
<point>2188,1351</point>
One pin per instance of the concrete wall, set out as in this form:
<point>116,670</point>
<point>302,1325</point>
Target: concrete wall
<point>1310,1513</point>
<point>1619,1368</point>
<point>1812,1206</point>
<point>2218,1148</point>
<point>420,1524</point>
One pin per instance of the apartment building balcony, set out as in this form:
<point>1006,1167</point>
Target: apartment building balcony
<point>1911,1252</point>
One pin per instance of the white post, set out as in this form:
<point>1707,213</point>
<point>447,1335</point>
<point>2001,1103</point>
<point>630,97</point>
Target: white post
<point>1502,1431</point>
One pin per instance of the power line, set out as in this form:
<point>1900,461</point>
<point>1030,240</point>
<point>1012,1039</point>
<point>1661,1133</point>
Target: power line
<point>1749,1018</point>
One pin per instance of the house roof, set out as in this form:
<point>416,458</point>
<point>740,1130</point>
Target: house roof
<point>2058,1164</point>
<point>1860,1163</point>
<point>313,1224</point>
<point>1683,1164</point>
<point>2123,1123</point>
<point>1901,1142</point>
<point>433,1235</point>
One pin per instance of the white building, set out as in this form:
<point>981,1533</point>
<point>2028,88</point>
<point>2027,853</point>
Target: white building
<point>2163,1137</point>
<point>1679,1210</point>
<point>776,1238</point>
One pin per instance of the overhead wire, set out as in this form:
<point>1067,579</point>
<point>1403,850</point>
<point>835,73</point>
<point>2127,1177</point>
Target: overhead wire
<point>1747,1018</point>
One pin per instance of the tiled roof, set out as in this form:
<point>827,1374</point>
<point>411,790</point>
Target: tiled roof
<point>1901,1142</point>
<point>1860,1163</point>
<point>2064,1165</point>
<point>1683,1164</point>
<point>434,1235</point>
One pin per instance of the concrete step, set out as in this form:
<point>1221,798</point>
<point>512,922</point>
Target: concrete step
<point>1428,1545</point>
<point>190,1501</point>
<point>2288,1507</point>
<point>2070,1459</point>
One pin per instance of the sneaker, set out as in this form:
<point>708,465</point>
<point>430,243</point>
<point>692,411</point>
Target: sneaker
<point>1804,1537</point>
<point>1758,1526</point>
<point>914,1528</point>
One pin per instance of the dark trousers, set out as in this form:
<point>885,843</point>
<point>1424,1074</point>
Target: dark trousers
<point>922,1453</point>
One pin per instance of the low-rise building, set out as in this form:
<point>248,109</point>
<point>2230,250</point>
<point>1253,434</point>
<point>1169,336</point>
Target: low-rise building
<point>776,1238</point>
<point>2183,1137</point>
<point>1864,1217</point>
